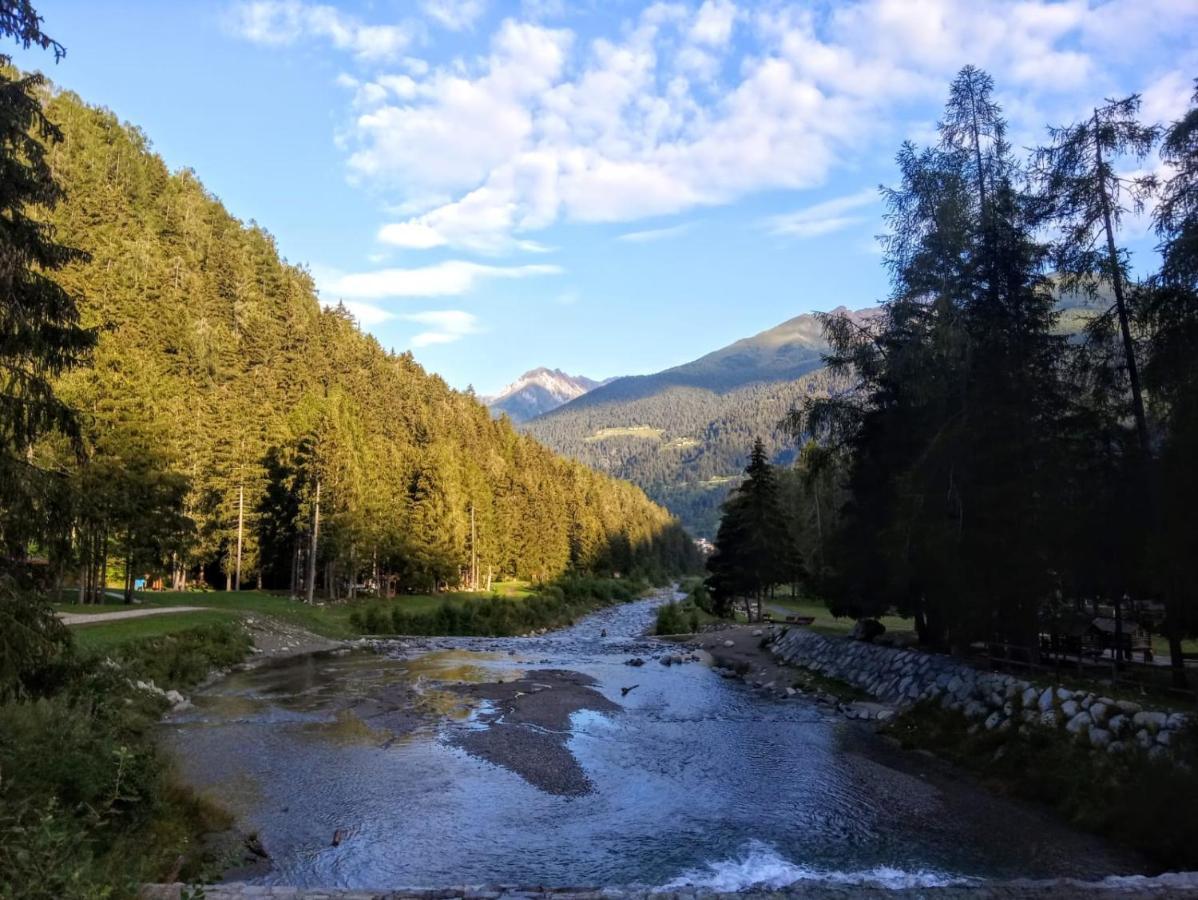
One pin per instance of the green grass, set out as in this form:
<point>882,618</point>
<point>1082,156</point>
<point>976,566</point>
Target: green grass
<point>646,432</point>
<point>107,635</point>
<point>827,624</point>
<point>327,619</point>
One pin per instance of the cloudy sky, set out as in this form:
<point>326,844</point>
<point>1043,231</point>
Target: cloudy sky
<point>604,186</point>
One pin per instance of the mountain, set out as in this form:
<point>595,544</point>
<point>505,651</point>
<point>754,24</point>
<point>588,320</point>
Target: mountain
<point>220,375</point>
<point>683,434</point>
<point>537,392</point>
<point>785,352</point>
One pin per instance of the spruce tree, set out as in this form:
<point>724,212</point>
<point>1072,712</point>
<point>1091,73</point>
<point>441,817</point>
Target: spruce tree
<point>753,548</point>
<point>40,334</point>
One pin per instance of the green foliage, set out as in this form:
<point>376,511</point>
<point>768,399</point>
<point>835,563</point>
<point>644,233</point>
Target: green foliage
<point>34,644</point>
<point>550,606</point>
<point>754,550</point>
<point>40,334</point>
<point>185,658</point>
<point>87,805</point>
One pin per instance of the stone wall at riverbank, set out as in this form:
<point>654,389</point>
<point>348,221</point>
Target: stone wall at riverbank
<point>993,700</point>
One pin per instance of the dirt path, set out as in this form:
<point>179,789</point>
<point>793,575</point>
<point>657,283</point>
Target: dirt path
<point>88,618</point>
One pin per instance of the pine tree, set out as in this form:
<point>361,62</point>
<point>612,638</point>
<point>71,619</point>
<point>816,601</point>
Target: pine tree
<point>1167,312</point>
<point>40,334</point>
<point>753,552</point>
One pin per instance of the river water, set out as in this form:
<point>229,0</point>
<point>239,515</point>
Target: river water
<point>696,780</point>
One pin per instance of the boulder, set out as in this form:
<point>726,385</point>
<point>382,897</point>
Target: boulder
<point>993,720</point>
<point>1153,721</point>
<point>867,629</point>
<point>1176,721</point>
<point>1099,737</point>
<point>1029,696</point>
<point>1069,709</point>
<point>1119,724</point>
<point>1116,747</point>
<point>1079,723</point>
<point>1046,700</point>
<point>729,643</point>
<point>1099,711</point>
<point>1144,738</point>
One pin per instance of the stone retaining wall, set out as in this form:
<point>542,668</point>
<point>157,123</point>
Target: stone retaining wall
<point>993,700</point>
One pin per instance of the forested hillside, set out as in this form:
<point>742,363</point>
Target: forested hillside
<point>224,407</point>
<point>684,434</point>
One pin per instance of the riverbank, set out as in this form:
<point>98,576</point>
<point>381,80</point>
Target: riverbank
<point>1112,767</point>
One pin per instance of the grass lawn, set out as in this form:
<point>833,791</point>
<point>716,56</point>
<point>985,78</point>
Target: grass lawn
<point>105,635</point>
<point>328,619</point>
<point>825,622</point>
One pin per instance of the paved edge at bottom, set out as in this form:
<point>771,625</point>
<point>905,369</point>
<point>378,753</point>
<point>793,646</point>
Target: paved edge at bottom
<point>1162,887</point>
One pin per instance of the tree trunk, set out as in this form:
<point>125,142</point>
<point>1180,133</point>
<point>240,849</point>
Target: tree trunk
<point>129,573</point>
<point>294,574</point>
<point>1129,351</point>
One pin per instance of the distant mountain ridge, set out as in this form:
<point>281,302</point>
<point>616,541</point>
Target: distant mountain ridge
<point>539,391</point>
<point>683,434</point>
<point>785,352</point>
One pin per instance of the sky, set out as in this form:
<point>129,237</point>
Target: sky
<point>603,186</point>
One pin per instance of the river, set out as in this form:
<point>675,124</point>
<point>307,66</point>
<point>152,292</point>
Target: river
<point>687,779</point>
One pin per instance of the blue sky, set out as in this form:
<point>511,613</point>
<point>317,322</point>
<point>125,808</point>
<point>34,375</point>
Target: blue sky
<point>605,186</point>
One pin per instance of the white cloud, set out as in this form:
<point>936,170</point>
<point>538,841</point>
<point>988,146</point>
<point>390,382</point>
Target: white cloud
<point>455,15</point>
<point>713,23</point>
<point>280,22</point>
<point>700,104</point>
<point>444,326</point>
<point>655,234</point>
<point>823,218</point>
<point>449,278</point>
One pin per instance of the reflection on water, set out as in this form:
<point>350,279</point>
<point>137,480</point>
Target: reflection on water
<point>697,780</point>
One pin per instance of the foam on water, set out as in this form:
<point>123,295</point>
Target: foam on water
<point>761,866</point>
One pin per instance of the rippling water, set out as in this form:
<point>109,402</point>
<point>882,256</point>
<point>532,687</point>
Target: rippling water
<point>698,780</point>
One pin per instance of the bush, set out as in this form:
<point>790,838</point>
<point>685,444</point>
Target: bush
<point>87,805</point>
<point>185,658</point>
<point>550,606</point>
<point>671,619</point>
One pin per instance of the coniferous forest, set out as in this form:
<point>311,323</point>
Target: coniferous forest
<point>226,428</point>
<point>984,473</point>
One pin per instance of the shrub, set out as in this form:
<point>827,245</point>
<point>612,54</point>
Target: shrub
<point>184,658</point>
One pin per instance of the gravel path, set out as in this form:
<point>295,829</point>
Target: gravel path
<point>89,618</point>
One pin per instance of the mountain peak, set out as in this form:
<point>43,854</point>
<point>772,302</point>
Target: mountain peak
<point>538,391</point>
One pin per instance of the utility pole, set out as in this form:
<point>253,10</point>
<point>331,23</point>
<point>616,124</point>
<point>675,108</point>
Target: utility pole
<point>312,548</point>
<point>240,527</point>
<point>473,551</point>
